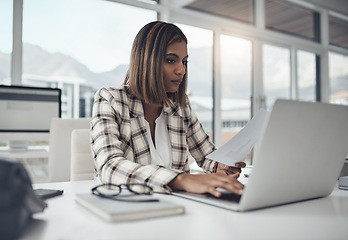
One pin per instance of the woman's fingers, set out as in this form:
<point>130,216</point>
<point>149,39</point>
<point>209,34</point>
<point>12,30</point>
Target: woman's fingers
<point>240,164</point>
<point>233,170</point>
<point>227,170</point>
<point>234,185</point>
<point>214,192</point>
<point>229,183</point>
<point>207,183</point>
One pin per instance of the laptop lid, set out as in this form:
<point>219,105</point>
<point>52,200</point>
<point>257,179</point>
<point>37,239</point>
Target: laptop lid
<point>300,156</point>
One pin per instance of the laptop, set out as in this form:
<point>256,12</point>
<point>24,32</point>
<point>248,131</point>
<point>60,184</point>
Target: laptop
<point>300,156</point>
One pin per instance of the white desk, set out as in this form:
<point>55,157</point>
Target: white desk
<point>325,218</point>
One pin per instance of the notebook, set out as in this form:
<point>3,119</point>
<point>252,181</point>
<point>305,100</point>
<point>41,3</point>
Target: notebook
<point>111,210</point>
<point>300,156</point>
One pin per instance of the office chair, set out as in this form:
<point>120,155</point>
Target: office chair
<point>82,162</point>
<point>60,147</point>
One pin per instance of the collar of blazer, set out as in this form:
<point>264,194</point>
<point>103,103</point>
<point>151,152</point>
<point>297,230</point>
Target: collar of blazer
<point>136,108</point>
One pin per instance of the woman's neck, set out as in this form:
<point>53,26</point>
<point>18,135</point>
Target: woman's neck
<point>153,110</point>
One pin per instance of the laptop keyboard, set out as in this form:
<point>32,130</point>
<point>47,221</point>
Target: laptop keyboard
<point>227,197</point>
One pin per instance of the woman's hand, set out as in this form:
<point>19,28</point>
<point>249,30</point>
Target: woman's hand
<point>223,169</point>
<point>207,183</point>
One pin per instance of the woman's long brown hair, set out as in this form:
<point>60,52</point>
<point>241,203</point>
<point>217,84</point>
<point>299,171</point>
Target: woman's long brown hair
<point>145,73</point>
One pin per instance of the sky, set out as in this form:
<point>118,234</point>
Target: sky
<point>99,34</point>
<point>6,29</point>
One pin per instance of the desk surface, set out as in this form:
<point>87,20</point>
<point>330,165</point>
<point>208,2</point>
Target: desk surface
<point>324,218</point>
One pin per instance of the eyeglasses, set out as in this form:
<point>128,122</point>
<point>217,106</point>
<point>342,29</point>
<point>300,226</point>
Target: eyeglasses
<point>113,192</point>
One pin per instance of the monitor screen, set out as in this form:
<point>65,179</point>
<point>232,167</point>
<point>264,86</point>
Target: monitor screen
<point>28,109</point>
<point>26,112</point>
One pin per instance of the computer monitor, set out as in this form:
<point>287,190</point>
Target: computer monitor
<point>26,113</point>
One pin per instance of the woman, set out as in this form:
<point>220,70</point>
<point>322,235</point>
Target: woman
<point>142,132</point>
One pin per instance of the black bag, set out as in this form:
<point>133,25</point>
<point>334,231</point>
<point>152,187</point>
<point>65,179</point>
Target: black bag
<point>18,202</point>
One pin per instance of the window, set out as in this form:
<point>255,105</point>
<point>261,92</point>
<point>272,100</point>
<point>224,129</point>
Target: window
<point>306,76</point>
<point>236,67</point>
<point>338,74</point>
<point>292,19</point>
<point>338,32</point>
<point>5,40</point>
<point>240,10</point>
<point>200,73</point>
<point>78,52</point>
<point>276,73</point>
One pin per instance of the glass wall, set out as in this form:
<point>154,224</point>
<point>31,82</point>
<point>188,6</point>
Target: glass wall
<point>236,70</point>
<point>338,75</point>
<point>82,45</point>
<point>292,19</point>
<point>239,10</point>
<point>78,53</point>
<point>338,35</point>
<point>5,40</point>
<point>276,73</point>
<point>306,76</point>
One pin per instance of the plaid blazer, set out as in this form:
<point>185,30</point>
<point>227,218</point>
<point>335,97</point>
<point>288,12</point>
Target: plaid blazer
<point>120,147</point>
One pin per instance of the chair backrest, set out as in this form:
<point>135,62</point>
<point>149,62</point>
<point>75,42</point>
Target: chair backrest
<point>82,162</point>
<point>60,146</point>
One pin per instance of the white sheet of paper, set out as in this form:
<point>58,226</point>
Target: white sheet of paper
<point>236,149</point>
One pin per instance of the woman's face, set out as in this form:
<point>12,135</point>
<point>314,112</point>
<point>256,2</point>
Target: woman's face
<point>175,65</point>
